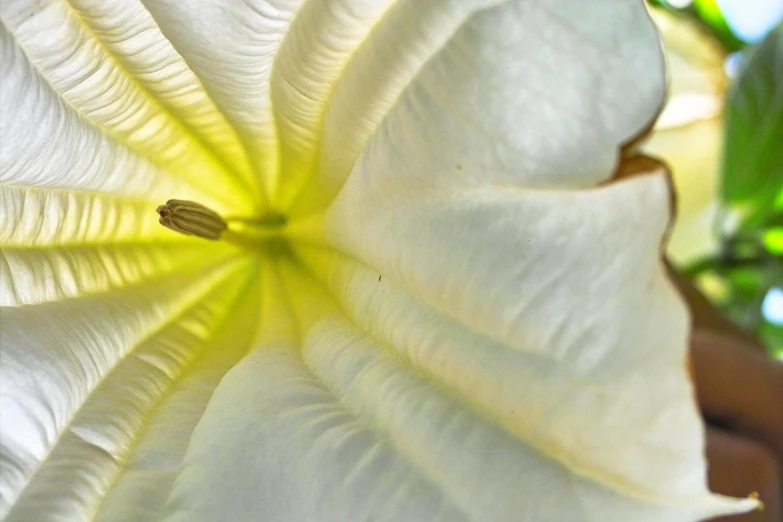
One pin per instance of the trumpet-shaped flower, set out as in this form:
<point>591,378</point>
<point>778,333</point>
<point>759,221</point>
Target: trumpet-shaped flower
<point>400,277</point>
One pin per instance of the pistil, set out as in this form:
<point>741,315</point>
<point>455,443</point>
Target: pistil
<point>194,219</point>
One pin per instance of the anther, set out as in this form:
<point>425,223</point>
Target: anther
<point>191,218</point>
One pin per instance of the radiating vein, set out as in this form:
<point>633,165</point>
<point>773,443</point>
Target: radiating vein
<point>143,323</point>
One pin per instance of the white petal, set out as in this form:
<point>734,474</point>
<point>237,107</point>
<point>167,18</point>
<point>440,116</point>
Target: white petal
<point>372,81</point>
<point>141,489</point>
<point>534,88</point>
<point>370,418</point>
<point>351,432</point>
<point>695,63</point>
<point>693,153</point>
<point>481,200</point>
<point>58,244</point>
<point>84,108</point>
<point>454,198</point>
<point>48,218</point>
<point>310,458</point>
<point>547,271</point>
<point>573,278</point>
<point>231,47</point>
<point>341,66</point>
<point>92,388</point>
<point>314,52</point>
<point>114,328</point>
<point>273,67</point>
<point>31,276</point>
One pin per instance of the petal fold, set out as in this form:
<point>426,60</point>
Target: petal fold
<point>318,45</point>
<point>232,48</point>
<point>353,430</point>
<point>81,378</point>
<point>373,79</point>
<point>79,114</point>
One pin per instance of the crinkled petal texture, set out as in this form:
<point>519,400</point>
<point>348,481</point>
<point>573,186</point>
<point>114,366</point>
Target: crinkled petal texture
<point>466,319</point>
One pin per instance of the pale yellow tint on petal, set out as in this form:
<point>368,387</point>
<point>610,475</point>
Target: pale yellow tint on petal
<point>231,47</point>
<point>100,352</point>
<point>319,43</point>
<point>88,78</point>
<point>482,333</point>
<point>377,73</point>
<point>352,431</point>
<point>689,134</point>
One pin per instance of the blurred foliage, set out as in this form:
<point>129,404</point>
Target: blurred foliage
<point>749,262</point>
<point>752,174</point>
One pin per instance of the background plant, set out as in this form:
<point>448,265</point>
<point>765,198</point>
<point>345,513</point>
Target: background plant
<point>743,273</point>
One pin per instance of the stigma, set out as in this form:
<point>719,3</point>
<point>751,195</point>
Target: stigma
<point>192,219</point>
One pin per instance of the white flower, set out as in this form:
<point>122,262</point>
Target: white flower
<point>435,303</point>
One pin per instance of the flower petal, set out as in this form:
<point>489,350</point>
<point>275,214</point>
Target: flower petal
<point>454,197</point>
<point>481,200</point>
<point>58,244</point>
<point>533,89</point>
<point>231,47</point>
<point>321,40</point>
<point>351,431</point>
<point>102,389</point>
<point>43,218</point>
<point>689,134</point>
<point>693,153</point>
<point>302,462</point>
<point>371,82</point>
<point>310,458</point>
<point>342,63</point>
<point>111,324</point>
<point>31,276</point>
<point>105,81</point>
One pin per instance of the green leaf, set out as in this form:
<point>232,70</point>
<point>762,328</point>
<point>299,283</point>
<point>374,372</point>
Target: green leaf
<point>772,335</point>
<point>773,240</point>
<point>753,159</point>
<point>709,12</point>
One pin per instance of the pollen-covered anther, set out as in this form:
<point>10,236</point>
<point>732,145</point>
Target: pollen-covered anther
<point>191,218</point>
